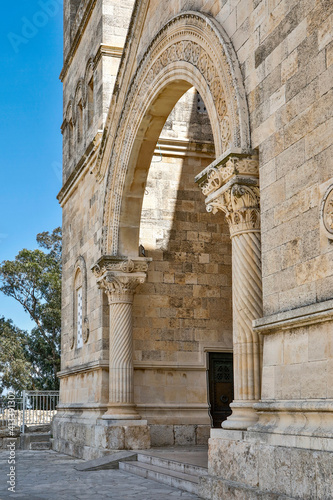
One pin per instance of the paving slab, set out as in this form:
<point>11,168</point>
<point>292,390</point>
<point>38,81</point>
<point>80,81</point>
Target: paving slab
<point>47,475</point>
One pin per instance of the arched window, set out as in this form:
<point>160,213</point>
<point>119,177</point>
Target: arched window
<point>78,309</point>
<point>80,332</point>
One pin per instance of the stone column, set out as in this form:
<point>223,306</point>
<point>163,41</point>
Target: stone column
<point>119,279</point>
<point>231,185</point>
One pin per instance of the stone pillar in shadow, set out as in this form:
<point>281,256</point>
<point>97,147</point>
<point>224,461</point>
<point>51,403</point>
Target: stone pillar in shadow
<point>232,186</point>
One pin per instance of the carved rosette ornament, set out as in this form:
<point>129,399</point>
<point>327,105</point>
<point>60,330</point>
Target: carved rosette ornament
<point>232,186</point>
<point>119,279</point>
<point>326,213</point>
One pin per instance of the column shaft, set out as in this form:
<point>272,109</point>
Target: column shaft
<point>119,279</point>
<point>121,354</point>
<point>247,306</point>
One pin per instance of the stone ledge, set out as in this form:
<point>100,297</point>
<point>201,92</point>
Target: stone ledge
<point>84,367</point>
<point>295,318</point>
<point>315,405</point>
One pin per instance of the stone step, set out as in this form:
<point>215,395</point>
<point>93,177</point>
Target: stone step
<point>41,445</point>
<point>185,482</point>
<point>174,465</point>
<point>35,438</point>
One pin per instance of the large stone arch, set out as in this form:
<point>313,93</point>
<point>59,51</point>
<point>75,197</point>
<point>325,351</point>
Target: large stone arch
<point>191,50</point>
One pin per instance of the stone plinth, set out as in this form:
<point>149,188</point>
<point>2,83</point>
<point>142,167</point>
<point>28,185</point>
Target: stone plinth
<point>241,465</point>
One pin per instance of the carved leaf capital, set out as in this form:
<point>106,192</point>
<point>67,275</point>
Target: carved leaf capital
<point>241,205</point>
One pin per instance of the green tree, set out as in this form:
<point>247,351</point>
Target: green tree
<point>33,278</point>
<point>16,370</point>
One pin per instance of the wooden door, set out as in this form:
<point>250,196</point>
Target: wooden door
<point>221,386</point>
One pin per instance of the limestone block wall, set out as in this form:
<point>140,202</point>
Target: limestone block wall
<point>97,35</point>
<point>81,218</point>
<point>285,52</point>
<point>299,364</point>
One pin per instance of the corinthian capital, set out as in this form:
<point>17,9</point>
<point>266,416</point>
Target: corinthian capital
<point>232,186</point>
<point>119,277</point>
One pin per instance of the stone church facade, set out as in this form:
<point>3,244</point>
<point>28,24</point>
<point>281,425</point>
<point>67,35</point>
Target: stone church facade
<point>197,237</point>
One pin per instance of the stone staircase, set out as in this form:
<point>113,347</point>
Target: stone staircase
<point>180,475</point>
<point>38,438</point>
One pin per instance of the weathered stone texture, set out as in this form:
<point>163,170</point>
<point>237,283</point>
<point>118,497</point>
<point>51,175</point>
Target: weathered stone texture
<point>285,55</point>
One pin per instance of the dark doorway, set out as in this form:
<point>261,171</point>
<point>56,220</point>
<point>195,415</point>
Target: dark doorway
<point>221,386</point>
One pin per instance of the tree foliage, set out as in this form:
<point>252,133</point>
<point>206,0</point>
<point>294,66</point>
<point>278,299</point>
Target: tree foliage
<point>33,278</point>
<point>15,369</point>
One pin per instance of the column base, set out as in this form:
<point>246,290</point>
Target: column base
<point>121,412</point>
<point>243,416</point>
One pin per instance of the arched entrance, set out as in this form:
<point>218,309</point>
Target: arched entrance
<point>191,50</point>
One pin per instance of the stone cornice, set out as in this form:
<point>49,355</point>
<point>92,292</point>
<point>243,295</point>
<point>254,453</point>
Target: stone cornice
<point>145,365</point>
<point>83,164</point>
<point>110,263</point>
<point>201,178</point>
<point>295,318</point>
<point>315,405</point>
<point>107,50</point>
<point>83,368</point>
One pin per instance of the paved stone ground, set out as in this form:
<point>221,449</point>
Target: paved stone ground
<point>47,475</point>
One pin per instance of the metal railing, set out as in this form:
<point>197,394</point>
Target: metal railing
<point>33,408</point>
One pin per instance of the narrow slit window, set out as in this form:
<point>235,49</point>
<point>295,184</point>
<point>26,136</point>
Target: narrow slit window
<point>80,122</point>
<point>70,140</point>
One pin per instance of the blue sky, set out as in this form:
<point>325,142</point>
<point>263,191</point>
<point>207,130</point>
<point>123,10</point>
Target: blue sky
<point>31,116</point>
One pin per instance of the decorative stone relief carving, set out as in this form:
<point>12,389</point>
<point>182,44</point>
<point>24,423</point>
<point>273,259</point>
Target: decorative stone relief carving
<point>106,264</point>
<point>232,187</point>
<point>192,47</point>
<point>326,213</point>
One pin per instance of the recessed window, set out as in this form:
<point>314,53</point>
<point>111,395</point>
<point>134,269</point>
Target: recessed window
<point>80,122</point>
<point>90,102</point>
<point>79,341</point>
<point>70,139</point>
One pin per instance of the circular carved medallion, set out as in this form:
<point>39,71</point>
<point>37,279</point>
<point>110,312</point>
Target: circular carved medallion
<point>327,212</point>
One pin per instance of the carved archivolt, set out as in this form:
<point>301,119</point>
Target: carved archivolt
<point>191,47</point>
